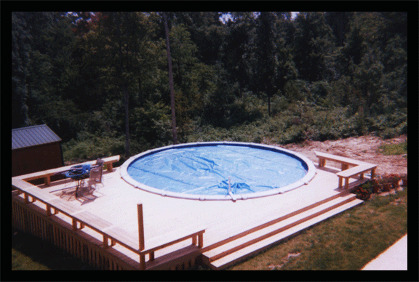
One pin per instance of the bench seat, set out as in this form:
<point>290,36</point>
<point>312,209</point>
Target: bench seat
<point>46,174</point>
<point>358,167</point>
<point>358,170</point>
<point>343,160</point>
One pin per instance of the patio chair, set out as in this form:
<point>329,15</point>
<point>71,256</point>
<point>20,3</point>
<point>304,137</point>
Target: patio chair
<point>96,172</point>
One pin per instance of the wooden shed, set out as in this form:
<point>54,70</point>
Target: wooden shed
<point>35,148</point>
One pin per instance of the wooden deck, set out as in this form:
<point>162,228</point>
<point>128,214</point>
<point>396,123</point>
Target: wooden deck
<point>233,230</point>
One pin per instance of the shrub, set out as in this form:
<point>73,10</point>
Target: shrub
<point>89,147</point>
<point>394,149</point>
<point>364,191</point>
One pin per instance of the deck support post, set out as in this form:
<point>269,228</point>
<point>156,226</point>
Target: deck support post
<point>140,226</point>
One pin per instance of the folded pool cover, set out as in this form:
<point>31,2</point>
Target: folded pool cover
<point>206,169</point>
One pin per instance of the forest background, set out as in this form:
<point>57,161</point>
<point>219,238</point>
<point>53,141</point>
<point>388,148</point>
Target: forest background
<point>100,79</point>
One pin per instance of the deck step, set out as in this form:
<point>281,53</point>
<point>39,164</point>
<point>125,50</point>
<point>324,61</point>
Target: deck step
<point>243,247</point>
<point>269,230</point>
<point>260,223</point>
<point>173,259</point>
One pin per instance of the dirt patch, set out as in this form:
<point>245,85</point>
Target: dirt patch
<point>364,148</point>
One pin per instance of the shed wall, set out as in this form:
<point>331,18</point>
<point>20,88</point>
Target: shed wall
<point>36,158</point>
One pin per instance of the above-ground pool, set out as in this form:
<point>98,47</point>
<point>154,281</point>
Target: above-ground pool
<point>218,170</point>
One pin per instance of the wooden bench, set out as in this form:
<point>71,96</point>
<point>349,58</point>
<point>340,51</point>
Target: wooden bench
<point>46,174</point>
<point>359,167</point>
<point>358,170</point>
<point>346,162</point>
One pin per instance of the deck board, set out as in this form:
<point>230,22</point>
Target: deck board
<point>115,204</point>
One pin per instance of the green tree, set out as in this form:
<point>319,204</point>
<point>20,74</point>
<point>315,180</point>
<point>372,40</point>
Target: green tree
<point>352,52</point>
<point>115,49</point>
<point>49,70</point>
<point>20,64</point>
<point>206,31</point>
<point>237,48</point>
<point>172,91</point>
<point>339,22</point>
<point>313,46</point>
<point>192,78</point>
<point>266,64</point>
<point>285,67</point>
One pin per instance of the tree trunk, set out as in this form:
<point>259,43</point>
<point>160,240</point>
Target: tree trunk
<point>125,91</point>
<point>126,102</point>
<point>172,91</point>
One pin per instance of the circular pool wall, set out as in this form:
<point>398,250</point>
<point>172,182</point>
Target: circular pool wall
<point>218,170</point>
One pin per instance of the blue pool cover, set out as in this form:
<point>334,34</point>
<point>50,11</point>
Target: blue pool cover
<point>205,170</point>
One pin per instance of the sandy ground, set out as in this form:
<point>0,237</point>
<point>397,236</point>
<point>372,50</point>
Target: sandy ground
<point>364,148</point>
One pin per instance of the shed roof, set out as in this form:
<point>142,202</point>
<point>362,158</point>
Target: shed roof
<point>32,136</point>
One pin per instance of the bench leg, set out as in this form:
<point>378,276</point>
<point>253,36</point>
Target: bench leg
<point>373,173</point>
<point>340,182</point>
<point>346,182</point>
<point>344,166</point>
<point>47,180</point>
<point>361,176</point>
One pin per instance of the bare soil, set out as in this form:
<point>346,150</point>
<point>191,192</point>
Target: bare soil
<point>363,148</point>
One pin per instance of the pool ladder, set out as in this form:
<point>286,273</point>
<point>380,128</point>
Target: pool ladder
<point>229,190</point>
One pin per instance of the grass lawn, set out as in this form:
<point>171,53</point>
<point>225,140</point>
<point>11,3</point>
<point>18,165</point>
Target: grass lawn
<point>393,149</point>
<point>347,241</point>
<point>31,253</point>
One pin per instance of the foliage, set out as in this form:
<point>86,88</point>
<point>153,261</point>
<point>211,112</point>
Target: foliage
<point>90,147</point>
<point>257,76</point>
<point>393,149</point>
<point>20,63</point>
<point>381,183</point>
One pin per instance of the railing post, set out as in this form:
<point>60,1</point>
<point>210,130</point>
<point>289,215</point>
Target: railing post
<point>200,240</point>
<point>105,241</point>
<point>74,221</point>
<point>140,226</point>
<point>142,261</point>
<point>49,210</point>
<point>26,198</point>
